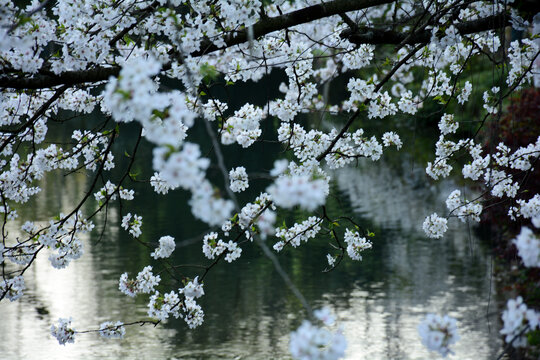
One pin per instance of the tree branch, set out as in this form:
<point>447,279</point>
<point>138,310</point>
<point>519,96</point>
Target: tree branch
<point>377,36</point>
<point>261,28</point>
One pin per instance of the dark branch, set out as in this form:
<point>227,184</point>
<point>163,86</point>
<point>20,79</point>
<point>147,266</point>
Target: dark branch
<point>69,78</point>
<point>261,28</point>
<point>376,36</point>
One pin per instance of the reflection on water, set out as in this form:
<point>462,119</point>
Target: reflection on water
<point>249,312</point>
<point>445,276</point>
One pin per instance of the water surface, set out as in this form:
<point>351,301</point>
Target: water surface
<point>249,312</point>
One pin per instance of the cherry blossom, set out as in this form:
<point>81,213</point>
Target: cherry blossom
<point>154,72</point>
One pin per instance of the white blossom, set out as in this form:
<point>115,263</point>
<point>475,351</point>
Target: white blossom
<point>134,226</point>
<point>212,246</point>
<point>528,246</point>
<point>112,330</point>
<point>143,283</point>
<point>331,260</point>
<point>234,251</point>
<point>299,232</point>
<point>463,96</point>
<point>165,249</point>
<point>312,342</point>
<point>194,316</point>
<point>146,280</point>
<point>435,226</point>
<point>448,125</point>
<point>518,320</point>
<point>289,191</point>
<point>438,333</point>
<point>63,332</point>
<point>193,289</point>
<point>391,138</point>
<point>12,288</point>
<point>356,244</point>
<point>159,185</point>
<point>161,306</point>
<point>463,209</point>
<point>239,179</point>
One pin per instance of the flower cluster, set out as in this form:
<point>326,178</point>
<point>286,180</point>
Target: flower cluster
<point>331,260</point>
<point>161,305</point>
<point>438,333</point>
<point>308,145</point>
<point>521,56</point>
<point>214,247</point>
<point>260,213</point>
<point>159,185</point>
<point>518,320</point>
<point>109,191</point>
<point>303,231</point>
<point>185,168</point>
<point>193,289</point>
<point>527,209</point>
<point>64,237</point>
<point>193,314</point>
<point>381,106</point>
<point>208,206</point>
<point>63,332</point>
<point>495,170</point>
<point>312,342</point>
<point>134,226</point>
<point>302,190</point>
<point>391,138</point>
<point>463,209</point>
<point>92,147</point>
<point>435,226</point>
<point>528,246</point>
<point>243,126</point>
<point>165,249</point>
<point>239,179</point>
<point>490,101</point>
<point>133,96</point>
<point>370,147</point>
<point>463,96</point>
<point>447,124</point>
<point>143,283</point>
<point>12,288</point>
<point>356,244</point>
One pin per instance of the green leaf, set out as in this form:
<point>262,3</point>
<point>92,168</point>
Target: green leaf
<point>128,40</point>
<point>533,337</point>
<point>126,94</point>
<point>440,99</point>
<point>208,72</point>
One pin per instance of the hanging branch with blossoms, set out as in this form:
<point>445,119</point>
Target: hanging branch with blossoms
<point>118,58</point>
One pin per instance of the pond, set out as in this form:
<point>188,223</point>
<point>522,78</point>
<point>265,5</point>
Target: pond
<point>249,312</point>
